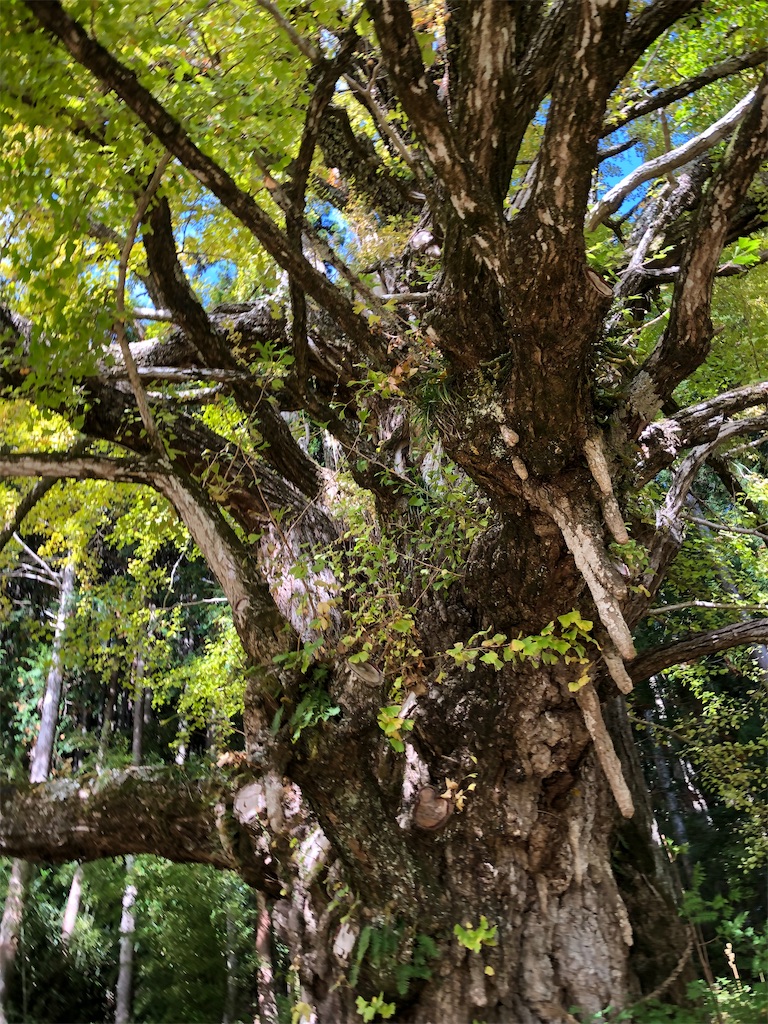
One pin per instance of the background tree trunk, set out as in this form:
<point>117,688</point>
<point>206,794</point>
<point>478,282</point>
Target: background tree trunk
<point>10,927</point>
<point>72,908</point>
<point>124,989</point>
<point>40,765</point>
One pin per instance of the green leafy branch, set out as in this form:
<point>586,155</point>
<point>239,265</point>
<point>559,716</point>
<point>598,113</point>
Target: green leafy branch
<point>566,639</point>
<point>393,725</point>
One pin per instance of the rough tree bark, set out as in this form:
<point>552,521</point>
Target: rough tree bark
<point>345,836</point>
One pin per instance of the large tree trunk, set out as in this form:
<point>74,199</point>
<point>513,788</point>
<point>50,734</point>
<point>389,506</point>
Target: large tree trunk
<point>573,896</point>
<point>515,810</point>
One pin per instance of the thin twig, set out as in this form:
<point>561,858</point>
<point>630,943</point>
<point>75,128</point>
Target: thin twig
<point>724,528</point>
<point>668,609</point>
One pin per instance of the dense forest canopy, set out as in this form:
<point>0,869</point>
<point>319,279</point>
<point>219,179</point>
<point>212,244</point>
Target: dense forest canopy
<point>383,492</point>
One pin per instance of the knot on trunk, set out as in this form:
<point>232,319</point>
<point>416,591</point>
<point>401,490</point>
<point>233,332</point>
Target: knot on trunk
<point>431,811</point>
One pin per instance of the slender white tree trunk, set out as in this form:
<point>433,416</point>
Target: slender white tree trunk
<point>21,872</point>
<point>72,908</point>
<point>40,766</point>
<point>230,998</point>
<point>42,754</point>
<point>124,991</point>
<point>127,928</point>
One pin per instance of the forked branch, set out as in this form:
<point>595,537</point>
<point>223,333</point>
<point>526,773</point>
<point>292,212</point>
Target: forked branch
<point>685,343</point>
<point>120,79</point>
<point>614,197</point>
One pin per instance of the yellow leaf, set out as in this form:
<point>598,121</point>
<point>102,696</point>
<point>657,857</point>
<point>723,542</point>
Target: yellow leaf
<point>490,971</point>
<point>302,1011</point>
<point>581,681</point>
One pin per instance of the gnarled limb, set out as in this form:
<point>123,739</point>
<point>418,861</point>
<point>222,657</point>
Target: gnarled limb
<point>661,165</point>
<point>685,343</point>
<point>116,76</point>
<point>703,424</point>
<point>698,645</point>
<point>670,521</point>
<point>133,810</point>
<point>730,269</point>
<point>726,68</point>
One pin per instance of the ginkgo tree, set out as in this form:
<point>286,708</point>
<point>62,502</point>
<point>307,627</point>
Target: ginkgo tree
<point>404,310</point>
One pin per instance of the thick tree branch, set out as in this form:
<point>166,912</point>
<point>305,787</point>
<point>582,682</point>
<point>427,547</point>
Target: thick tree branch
<point>652,22</point>
<point>31,499</point>
<point>246,324</point>
<point>670,521</point>
<point>215,350</point>
<point>583,79</point>
<point>480,217</point>
<point>663,440</point>
<point>661,165</point>
<point>482,40</point>
<point>22,510</point>
<point>136,810</point>
<point>115,76</point>
<point>261,627</point>
<point>107,415</point>
<point>726,68</point>
<point>669,274</point>
<point>686,341</point>
<point>68,466</point>
<point>356,159</point>
<point>174,375</point>
<point>699,645</point>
